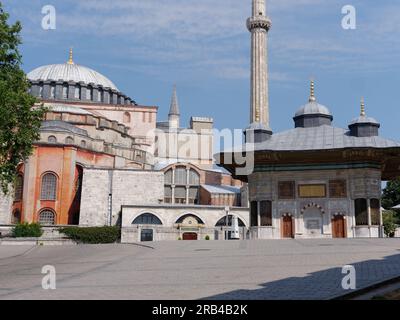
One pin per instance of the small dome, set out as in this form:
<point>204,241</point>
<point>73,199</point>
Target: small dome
<point>364,120</point>
<point>312,114</point>
<point>313,108</point>
<point>70,72</point>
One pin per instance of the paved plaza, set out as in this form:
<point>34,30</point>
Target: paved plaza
<point>274,269</point>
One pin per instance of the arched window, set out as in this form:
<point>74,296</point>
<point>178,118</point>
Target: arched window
<point>222,222</point>
<point>127,117</point>
<point>375,212</point>
<point>52,91</point>
<point>69,140</point>
<point>101,95</point>
<point>65,91</point>
<point>78,92</point>
<point>47,218</point>
<point>181,185</point>
<point>41,90</point>
<point>52,139</point>
<point>361,212</point>
<point>19,184</point>
<point>16,217</point>
<point>83,144</point>
<point>266,213</point>
<point>49,187</point>
<point>89,93</point>
<point>147,218</point>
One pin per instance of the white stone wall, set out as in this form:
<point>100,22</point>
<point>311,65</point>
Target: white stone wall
<point>169,214</point>
<point>5,208</point>
<point>136,188</point>
<point>361,183</point>
<point>94,201</point>
<point>126,187</point>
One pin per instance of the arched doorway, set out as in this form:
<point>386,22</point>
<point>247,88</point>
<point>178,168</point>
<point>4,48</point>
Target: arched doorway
<point>189,226</point>
<point>338,226</point>
<point>147,222</point>
<point>287,226</point>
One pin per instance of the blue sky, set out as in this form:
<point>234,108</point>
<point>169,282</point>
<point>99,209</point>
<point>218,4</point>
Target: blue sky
<point>145,46</point>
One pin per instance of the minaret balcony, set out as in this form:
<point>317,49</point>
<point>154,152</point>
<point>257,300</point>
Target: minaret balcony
<point>260,22</point>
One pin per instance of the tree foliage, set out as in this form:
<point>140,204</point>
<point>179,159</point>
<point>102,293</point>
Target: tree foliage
<point>391,194</point>
<point>19,120</point>
<point>390,222</point>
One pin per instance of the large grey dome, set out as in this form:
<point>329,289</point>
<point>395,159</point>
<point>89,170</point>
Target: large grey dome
<point>70,72</point>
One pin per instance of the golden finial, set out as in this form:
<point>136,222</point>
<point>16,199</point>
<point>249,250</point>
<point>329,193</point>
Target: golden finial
<point>312,91</point>
<point>70,60</point>
<point>362,114</point>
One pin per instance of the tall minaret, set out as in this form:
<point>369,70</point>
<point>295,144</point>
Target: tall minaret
<point>259,25</point>
<point>174,114</point>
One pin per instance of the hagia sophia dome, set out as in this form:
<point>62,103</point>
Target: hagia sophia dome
<point>70,72</point>
<point>74,82</point>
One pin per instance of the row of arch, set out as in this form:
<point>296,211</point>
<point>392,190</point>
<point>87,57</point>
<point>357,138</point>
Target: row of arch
<point>366,211</point>
<point>46,217</point>
<point>67,140</point>
<point>151,219</point>
<point>51,90</point>
<point>48,187</point>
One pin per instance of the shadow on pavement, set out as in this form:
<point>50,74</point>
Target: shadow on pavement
<point>320,285</point>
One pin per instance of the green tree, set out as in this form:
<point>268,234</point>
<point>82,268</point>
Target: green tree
<point>390,222</point>
<point>19,120</point>
<point>391,194</point>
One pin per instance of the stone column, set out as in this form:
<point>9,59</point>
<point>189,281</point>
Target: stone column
<point>173,187</point>
<point>369,216</point>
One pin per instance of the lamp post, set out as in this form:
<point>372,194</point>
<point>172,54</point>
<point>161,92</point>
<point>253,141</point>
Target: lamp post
<point>226,222</point>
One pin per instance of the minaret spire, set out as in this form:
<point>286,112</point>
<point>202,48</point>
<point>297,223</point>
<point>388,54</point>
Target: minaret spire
<point>312,92</point>
<point>362,113</point>
<point>174,113</point>
<point>71,56</point>
<point>259,25</point>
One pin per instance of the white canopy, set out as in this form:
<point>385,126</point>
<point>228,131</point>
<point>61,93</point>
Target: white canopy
<point>396,207</point>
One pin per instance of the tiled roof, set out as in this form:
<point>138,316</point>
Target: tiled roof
<point>320,138</point>
<point>221,189</point>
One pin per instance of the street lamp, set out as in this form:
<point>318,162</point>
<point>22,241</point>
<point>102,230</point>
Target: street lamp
<point>226,222</point>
